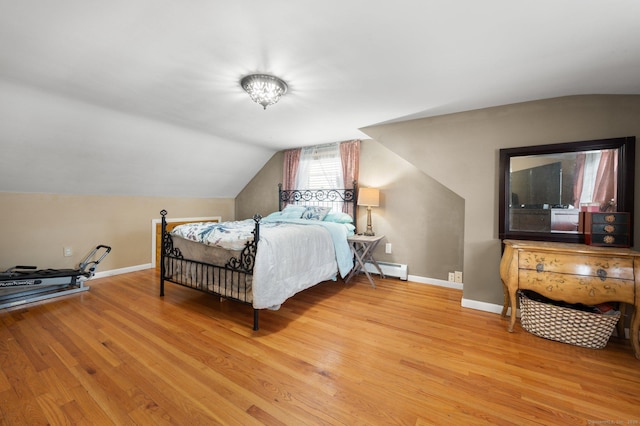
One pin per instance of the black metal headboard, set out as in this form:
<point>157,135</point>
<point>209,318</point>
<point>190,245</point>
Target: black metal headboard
<point>341,200</point>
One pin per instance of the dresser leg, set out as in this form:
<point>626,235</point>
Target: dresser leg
<point>512,299</point>
<point>505,302</point>
<point>509,276</point>
<point>635,328</point>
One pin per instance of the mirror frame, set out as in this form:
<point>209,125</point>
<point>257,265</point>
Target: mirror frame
<point>625,192</point>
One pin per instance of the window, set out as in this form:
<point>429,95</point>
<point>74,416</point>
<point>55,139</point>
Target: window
<point>323,167</point>
<point>320,167</point>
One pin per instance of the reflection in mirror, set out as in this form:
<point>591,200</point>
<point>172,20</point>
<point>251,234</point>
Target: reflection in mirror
<point>548,191</point>
<point>544,188</point>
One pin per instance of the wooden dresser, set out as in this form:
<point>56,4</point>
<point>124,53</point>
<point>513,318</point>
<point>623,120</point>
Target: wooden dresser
<point>574,273</point>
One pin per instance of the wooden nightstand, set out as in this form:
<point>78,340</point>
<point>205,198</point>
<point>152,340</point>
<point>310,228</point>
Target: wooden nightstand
<point>363,247</point>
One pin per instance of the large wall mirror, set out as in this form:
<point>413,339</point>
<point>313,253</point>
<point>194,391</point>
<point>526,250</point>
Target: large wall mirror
<point>543,188</point>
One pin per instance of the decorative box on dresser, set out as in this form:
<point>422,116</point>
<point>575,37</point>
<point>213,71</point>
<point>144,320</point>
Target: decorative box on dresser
<point>607,229</point>
<point>573,273</point>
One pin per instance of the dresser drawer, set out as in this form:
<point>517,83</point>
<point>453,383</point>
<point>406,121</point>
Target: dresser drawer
<point>611,240</point>
<point>589,290</point>
<point>610,228</point>
<point>594,266</point>
<point>619,218</point>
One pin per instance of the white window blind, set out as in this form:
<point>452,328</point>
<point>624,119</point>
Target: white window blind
<point>320,167</point>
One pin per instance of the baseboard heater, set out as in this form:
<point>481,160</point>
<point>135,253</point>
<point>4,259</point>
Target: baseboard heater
<point>389,269</point>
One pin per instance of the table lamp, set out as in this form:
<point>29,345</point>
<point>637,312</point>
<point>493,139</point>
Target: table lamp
<point>369,197</point>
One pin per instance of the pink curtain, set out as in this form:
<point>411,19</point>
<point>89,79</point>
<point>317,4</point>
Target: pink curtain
<point>350,155</point>
<point>578,179</point>
<point>606,178</point>
<point>290,169</point>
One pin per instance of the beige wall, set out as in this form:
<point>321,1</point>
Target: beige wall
<point>36,227</point>
<point>260,196</point>
<point>461,152</point>
<point>421,218</point>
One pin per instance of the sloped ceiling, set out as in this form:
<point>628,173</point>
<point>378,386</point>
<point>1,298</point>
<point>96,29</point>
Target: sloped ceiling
<point>99,96</point>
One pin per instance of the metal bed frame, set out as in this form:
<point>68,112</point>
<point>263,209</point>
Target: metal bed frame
<point>229,276</point>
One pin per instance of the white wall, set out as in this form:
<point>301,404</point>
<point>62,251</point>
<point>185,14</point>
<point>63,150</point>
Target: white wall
<point>53,144</point>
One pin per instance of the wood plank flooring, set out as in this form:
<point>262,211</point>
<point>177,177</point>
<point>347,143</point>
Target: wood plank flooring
<point>335,354</point>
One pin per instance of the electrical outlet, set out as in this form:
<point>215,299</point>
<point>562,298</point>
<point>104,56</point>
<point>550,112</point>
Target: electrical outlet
<point>458,276</point>
<point>387,248</point>
<point>68,252</point>
<point>452,277</point>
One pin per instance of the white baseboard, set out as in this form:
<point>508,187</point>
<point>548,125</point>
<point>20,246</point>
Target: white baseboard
<point>465,303</point>
<point>484,306</point>
<point>434,281</point>
<point>123,270</point>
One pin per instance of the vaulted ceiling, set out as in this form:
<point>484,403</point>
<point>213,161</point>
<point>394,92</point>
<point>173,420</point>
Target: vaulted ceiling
<point>117,87</point>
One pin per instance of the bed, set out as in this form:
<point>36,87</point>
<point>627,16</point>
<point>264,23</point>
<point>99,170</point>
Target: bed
<point>264,261</point>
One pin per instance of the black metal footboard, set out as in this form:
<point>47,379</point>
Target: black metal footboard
<point>232,280</point>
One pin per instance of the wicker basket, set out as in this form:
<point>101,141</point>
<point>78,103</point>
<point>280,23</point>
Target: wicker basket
<point>567,325</point>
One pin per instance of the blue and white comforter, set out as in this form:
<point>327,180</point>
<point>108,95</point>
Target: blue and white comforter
<point>226,235</point>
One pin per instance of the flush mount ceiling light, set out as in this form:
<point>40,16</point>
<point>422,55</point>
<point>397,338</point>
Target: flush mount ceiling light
<point>264,89</point>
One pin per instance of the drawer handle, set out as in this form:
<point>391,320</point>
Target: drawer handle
<point>602,274</point>
<point>539,267</point>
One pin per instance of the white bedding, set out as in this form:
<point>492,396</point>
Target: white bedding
<point>290,259</point>
<point>291,256</point>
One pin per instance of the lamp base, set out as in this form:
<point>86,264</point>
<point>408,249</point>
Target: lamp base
<point>369,232</point>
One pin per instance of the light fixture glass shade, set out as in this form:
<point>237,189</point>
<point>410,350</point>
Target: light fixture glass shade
<point>264,89</point>
<point>369,197</point>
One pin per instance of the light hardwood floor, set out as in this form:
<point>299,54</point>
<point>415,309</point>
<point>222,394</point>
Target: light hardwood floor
<point>402,353</point>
